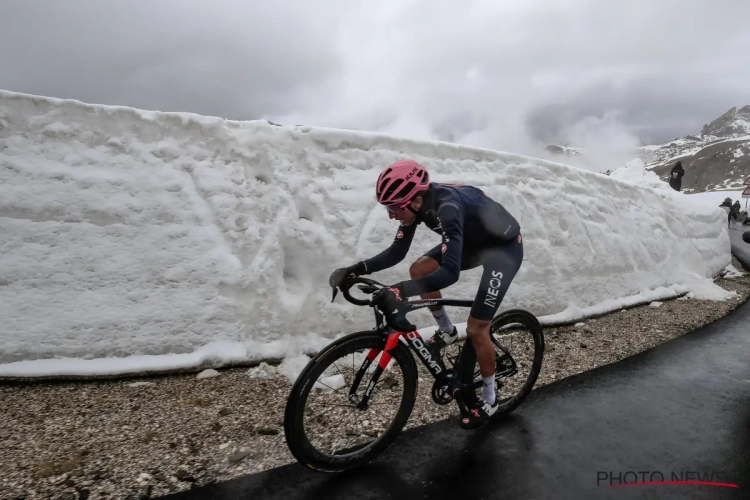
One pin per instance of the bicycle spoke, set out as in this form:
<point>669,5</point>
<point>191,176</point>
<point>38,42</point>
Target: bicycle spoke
<point>323,383</point>
<point>337,369</point>
<point>341,424</point>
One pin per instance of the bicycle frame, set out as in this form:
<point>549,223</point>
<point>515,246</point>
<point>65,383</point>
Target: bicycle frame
<point>416,344</point>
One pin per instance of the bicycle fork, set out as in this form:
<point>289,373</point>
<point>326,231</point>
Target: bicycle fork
<point>361,404</point>
<point>436,368</point>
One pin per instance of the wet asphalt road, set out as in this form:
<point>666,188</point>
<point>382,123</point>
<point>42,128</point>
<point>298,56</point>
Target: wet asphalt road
<point>678,411</point>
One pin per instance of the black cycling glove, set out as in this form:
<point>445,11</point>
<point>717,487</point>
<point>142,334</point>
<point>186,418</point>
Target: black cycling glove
<point>339,275</point>
<point>393,307</point>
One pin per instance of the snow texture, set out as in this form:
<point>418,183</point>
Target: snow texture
<point>135,240</point>
<point>635,172</point>
<point>733,272</point>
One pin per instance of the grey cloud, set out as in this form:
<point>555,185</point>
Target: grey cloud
<point>510,75</point>
<point>232,59</point>
<point>656,110</point>
<point>500,74</point>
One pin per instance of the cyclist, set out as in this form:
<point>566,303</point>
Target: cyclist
<point>475,230</point>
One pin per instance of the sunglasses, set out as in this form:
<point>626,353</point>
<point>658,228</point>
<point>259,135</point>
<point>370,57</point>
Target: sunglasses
<point>396,208</point>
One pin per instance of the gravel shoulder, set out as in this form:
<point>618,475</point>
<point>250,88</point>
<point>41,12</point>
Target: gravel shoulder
<point>146,437</point>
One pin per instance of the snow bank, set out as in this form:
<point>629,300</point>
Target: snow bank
<point>635,172</point>
<point>175,238</point>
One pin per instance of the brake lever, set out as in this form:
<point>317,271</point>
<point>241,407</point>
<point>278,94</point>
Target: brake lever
<point>335,291</point>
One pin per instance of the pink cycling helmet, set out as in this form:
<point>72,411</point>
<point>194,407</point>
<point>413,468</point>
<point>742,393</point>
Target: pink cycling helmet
<point>400,182</point>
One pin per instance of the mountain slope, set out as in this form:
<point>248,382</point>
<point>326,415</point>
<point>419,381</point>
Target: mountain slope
<point>717,159</point>
<point>717,166</point>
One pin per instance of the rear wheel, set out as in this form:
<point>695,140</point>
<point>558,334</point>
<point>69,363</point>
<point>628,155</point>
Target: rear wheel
<point>519,335</point>
<point>518,338</point>
<point>325,426</point>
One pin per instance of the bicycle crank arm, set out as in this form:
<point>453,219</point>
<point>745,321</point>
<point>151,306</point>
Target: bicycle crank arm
<point>458,397</point>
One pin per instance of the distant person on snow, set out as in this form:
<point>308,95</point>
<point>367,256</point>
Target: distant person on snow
<point>727,206</point>
<point>476,231</point>
<point>675,176</point>
<point>736,209</point>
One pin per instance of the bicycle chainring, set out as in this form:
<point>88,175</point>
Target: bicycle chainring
<point>440,394</point>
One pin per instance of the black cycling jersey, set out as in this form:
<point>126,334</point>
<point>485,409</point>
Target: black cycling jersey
<point>468,220</point>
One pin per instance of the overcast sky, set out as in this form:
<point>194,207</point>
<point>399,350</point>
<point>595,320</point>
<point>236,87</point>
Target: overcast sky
<point>502,74</point>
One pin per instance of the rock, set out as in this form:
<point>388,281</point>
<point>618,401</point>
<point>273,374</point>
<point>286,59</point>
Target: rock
<point>140,384</point>
<point>655,303</point>
<point>210,373</point>
<point>204,481</point>
<point>193,447</point>
<point>69,482</point>
<point>67,496</point>
<point>159,476</point>
<point>183,475</point>
<point>224,412</point>
<point>83,494</point>
<point>144,493</point>
<point>268,431</point>
<point>224,446</point>
<point>390,382</point>
<point>238,456</point>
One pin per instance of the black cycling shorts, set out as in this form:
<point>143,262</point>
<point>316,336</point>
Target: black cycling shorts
<point>501,263</point>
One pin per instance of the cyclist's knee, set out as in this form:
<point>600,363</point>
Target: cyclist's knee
<point>422,267</point>
<point>476,328</point>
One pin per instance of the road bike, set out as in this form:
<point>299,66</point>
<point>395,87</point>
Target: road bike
<point>381,352</point>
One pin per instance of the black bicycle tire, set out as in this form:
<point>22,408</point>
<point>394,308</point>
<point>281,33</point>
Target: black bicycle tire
<point>298,443</point>
<point>530,322</point>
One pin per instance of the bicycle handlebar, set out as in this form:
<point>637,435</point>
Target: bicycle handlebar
<point>369,287</point>
<point>396,319</point>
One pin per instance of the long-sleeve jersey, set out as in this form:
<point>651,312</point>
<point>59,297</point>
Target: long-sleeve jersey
<point>466,218</point>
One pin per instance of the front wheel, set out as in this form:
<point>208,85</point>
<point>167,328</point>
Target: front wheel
<point>326,424</point>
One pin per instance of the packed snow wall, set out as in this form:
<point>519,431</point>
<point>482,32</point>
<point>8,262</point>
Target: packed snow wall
<point>127,232</point>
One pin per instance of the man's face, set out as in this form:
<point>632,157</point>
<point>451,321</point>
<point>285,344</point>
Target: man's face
<point>404,215</point>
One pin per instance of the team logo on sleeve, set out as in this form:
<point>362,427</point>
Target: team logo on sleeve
<point>444,248</point>
<point>399,235</point>
<point>520,240</point>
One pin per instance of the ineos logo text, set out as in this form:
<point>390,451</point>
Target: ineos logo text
<point>494,289</point>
